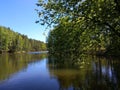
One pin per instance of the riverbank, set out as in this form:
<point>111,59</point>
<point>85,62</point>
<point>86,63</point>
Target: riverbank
<point>35,52</point>
<point>4,52</point>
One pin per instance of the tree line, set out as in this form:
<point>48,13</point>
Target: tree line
<point>81,26</point>
<point>11,41</point>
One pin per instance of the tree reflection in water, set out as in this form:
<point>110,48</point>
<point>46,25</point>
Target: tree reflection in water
<point>10,64</point>
<point>86,73</point>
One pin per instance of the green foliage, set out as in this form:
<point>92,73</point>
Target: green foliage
<point>11,41</point>
<point>81,25</point>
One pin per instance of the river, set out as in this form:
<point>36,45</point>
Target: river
<point>36,71</point>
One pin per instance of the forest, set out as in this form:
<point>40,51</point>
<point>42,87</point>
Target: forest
<point>81,26</point>
<point>11,41</point>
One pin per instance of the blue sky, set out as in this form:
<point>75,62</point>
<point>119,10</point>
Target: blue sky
<point>20,16</point>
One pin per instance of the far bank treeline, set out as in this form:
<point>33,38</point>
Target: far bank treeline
<point>11,41</point>
<point>82,26</point>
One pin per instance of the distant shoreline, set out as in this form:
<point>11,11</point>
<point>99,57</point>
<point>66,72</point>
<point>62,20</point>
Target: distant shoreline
<point>30,52</point>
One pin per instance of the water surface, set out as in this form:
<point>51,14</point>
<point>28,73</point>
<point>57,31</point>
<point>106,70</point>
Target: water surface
<point>37,71</point>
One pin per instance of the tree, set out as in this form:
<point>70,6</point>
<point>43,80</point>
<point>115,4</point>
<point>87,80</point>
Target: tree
<point>93,21</point>
<point>103,13</point>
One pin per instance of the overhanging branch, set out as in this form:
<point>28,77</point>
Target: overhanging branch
<point>113,29</point>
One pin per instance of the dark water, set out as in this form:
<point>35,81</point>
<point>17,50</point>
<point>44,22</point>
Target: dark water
<point>37,71</point>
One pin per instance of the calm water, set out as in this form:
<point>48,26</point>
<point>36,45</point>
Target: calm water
<point>37,71</point>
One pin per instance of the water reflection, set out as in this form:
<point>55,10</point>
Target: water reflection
<point>12,63</point>
<point>37,72</point>
<point>89,73</point>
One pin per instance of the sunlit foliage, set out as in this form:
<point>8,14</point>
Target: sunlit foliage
<point>81,25</point>
<point>11,41</point>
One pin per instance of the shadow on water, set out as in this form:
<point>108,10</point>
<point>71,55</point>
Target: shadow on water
<point>13,63</point>
<point>87,73</point>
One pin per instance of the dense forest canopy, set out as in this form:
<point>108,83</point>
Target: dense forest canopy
<point>82,26</point>
<point>11,41</point>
